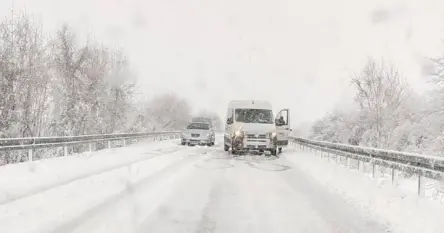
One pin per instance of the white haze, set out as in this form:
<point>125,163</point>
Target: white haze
<point>297,54</point>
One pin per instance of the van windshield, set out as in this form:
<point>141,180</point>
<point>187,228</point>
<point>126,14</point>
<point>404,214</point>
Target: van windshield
<point>263,116</point>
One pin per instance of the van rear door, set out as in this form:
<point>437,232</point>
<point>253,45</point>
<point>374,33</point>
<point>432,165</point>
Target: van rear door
<point>282,122</point>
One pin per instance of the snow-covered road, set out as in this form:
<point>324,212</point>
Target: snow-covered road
<point>210,192</point>
<point>200,189</point>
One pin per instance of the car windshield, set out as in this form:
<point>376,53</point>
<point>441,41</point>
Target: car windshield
<point>201,119</point>
<point>263,116</point>
<point>199,126</point>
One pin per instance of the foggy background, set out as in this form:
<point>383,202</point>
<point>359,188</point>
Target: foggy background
<point>296,54</point>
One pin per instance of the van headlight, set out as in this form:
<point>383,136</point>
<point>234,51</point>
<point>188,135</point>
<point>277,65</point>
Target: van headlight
<point>238,133</point>
<point>272,135</point>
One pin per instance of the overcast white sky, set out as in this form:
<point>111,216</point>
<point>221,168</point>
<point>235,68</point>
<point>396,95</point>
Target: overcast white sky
<point>298,54</point>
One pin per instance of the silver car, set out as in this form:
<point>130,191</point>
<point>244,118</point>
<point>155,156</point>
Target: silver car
<point>198,133</point>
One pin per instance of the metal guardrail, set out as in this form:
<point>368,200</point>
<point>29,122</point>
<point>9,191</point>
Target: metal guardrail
<point>421,165</point>
<point>30,144</point>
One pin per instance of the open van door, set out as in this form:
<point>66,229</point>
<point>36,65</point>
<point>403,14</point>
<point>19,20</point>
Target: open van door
<point>282,122</point>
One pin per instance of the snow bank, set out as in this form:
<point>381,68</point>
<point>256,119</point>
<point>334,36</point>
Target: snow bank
<point>405,210</point>
<point>55,210</point>
<point>24,179</point>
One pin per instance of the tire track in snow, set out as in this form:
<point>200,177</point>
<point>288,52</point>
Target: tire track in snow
<point>45,188</point>
<point>331,207</point>
<point>207,224</point>
<point>73,224</point>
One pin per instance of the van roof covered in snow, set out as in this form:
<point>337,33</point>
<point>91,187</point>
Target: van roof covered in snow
<point>250,104</point>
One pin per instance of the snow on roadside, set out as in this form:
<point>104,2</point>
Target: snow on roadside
<point>404,210</point>
<point>19,180</point>
<point>47,210</point>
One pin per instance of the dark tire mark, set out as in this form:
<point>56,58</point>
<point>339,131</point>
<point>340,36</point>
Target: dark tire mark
<point>256,158</point>
<point>223,166</point>
<point>278,167</point>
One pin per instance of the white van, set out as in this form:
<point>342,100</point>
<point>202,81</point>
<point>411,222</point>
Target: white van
<point>250,126</point>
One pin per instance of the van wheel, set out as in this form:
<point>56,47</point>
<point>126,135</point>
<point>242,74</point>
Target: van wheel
<point>226,148</point>
<point>273,152</point>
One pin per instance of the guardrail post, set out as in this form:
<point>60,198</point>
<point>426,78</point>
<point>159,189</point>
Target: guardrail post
<point>347,162</point>
<point>124,142</point>
<point>360,165</point>
<point>394,177</point>
<point>109,144</point>
<point>65,150</point>
<point>374,171</point>
<point>421,186</point>
<point>30,155</point>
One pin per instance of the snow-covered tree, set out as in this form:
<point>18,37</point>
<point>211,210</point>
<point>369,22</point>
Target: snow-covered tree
<point>215,118</point>
<point>380,91</point>
<point>24,77</point>
<point>167,112</point>
<point>56,85</point>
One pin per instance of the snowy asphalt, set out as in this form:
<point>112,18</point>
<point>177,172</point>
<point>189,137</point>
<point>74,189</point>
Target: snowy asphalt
<point>207,190</point>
